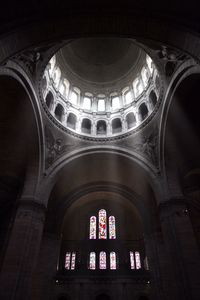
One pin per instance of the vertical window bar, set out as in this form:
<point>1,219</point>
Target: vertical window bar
<point>137,260</point>
<point>73,260</point>
<point>67,260</point>
<point>132,261</point>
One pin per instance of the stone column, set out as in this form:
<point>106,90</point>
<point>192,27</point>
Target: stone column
<point>182,250</point>
<point>155,254</point>
<point>22,251</point>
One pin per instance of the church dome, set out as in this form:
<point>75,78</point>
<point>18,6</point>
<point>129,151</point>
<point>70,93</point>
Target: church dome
<point>101,87</point>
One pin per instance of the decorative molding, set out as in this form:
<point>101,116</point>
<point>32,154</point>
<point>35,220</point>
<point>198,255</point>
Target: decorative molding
<point>30,58</point>
<point>55,147</point>
<point>103,139</point>
<point>171,58</point>
<point>146,145</point>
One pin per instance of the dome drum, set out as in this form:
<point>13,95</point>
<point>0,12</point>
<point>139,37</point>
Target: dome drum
<point>101,112</point>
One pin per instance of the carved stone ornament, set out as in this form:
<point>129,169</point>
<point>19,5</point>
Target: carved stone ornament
<point>171,58</point>
<point>55,147</point>
<point>30,58</point>
<point>145,145</point>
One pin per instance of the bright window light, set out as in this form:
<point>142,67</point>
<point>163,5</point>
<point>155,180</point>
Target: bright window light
<point>101,105</point>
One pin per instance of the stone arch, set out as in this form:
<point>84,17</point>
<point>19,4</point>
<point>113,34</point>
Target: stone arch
<point>101,127</point>
<point>19,116</point>
<point>86,126</point>
<point>130,120</point>
<point>143,111</point>
<point>153,98</point>
<point>71,121</point>
<point>116,125</point>
<point>49,100</point>
<point>59,112</point>
<point>177,138</point>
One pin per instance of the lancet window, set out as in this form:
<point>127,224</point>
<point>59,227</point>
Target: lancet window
<point>106,229</point>
<point>70,260</point>
<point>135,260</point>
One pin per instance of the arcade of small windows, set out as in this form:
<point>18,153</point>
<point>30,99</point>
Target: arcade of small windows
<point>112,109</point>
<point>101,228</point>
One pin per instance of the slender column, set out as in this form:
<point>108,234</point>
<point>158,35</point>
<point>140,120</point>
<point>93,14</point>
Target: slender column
<point>156,258</point>
<point>183,254</point>
<point>22,251</point>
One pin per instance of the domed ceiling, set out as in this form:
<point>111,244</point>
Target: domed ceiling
<point>100,60</point>
<point>101,87</point>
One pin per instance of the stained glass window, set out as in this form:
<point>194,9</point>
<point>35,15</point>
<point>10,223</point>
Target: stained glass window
<point>132,260</point>
<point>137,260</point>
<point>113,263</point>
<point>92,262</point>
<point>92,227</point>
<point>67,260</point>
<point>73,259</point>
<point>102,224</point>
<point>112,231</point>
<point>70,259</point>
<point>102,260</point>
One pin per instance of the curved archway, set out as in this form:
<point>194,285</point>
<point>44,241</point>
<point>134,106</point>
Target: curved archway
<point>153,98</point>
<point>59,112</point>
<point>182,130</point>
<point>21,151</point>
<point>143,111</point>
<point>131,120</point>
<point>101,127</point>
<point>116,125</point>
<point>86,126</point>
<point>49,100</point>
<point>71,121</point>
